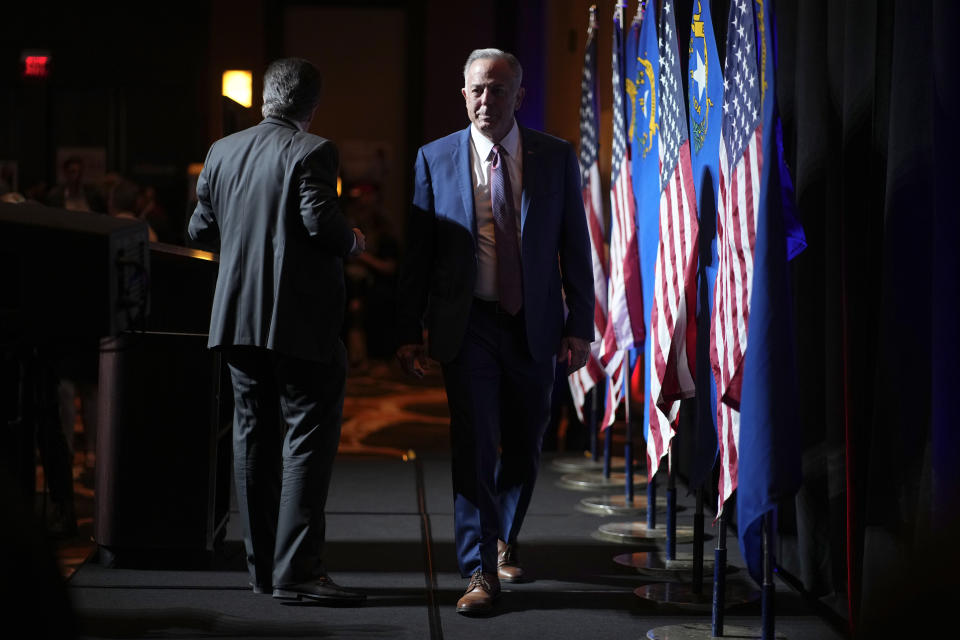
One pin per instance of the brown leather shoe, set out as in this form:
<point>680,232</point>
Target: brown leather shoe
<point>478,599</point>
<point>508,565</point>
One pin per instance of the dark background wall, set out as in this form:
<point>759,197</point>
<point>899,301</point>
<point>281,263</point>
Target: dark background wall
<point>122,79</point>
<point>143,83</point>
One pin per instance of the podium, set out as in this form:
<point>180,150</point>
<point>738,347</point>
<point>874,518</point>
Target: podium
<point>164,441</point>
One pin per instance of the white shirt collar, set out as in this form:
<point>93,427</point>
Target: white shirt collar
<point>483,144</point>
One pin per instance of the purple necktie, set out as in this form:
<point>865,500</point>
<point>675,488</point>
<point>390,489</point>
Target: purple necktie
<point>509,273</point>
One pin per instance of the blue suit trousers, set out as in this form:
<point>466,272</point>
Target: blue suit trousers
<point>499,399</point>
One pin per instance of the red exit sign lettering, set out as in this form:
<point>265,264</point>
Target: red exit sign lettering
<point>36,65</point>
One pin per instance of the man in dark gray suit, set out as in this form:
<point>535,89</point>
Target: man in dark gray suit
<point>268,194</point>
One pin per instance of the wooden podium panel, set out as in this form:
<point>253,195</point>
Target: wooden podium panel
<point>163,450</point>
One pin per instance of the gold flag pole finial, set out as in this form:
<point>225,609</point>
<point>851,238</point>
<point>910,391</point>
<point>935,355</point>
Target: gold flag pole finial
<point>592,26</point>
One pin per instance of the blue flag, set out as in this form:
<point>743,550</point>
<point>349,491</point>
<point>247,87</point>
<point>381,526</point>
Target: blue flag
<point>643,83</point>
<point>705,90</point>
<point>772,128</point>
<point>770,435</point>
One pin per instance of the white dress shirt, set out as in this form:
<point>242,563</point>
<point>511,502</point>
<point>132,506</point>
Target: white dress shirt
<point>480,151</point>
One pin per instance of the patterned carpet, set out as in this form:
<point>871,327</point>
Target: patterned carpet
<point>387,413</point>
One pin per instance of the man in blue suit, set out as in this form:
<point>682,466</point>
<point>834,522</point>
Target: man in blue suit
<point>496,243</point>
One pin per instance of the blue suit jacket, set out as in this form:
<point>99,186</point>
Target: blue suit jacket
<point>440,263</point>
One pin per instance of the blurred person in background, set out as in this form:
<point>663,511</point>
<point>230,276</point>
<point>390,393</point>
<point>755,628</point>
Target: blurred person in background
<point>152,212</point>
<point>371,280</point>
<point>122,203</point>
<point>74,193</point>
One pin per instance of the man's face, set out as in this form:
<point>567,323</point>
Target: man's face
<point>492,95</point>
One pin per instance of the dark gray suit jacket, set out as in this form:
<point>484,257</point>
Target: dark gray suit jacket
<point>269,195</point>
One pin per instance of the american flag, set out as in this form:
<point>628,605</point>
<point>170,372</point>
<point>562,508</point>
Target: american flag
<point>672,364</point>
<point>586,378</point>
<point>770,445</point>
<point>741,162</point>
<point>705,92</point>
<point>625,328</point>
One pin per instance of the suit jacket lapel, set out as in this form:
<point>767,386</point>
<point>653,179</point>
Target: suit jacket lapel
<point>529,168</point>
<point>463,162</point>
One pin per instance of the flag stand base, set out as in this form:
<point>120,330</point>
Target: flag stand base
<point>680,596</point>
<point>591,481</point>
<point>701,630</point>
<point>631,532</point>
<point>617,505</point>
<point>654,564</point>
<point>574,464</point>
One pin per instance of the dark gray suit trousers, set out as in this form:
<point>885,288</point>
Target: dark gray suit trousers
<point>287,418</point>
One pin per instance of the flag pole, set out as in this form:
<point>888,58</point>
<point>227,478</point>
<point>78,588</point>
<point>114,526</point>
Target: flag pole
<point>594,427</point>
<point>717,627</point>
<point>719,576</point>
<point>628,445</point>
<point>592,422</point>
<point>767,597</point>
<point>607,450</point>
<point>651,499</point>
<point>618,14</point>
<point>671,506</point>
<point>697,579</point>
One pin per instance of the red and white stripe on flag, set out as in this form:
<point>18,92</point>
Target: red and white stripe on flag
<point>671,366</point>
<point>736,240</point>
<point>624,301</point>
<point>586,378</point>
<point>625,325</point>
<point>582,381</point>
<point>593,206</point>
<point>615,388</point>
<point>741,161</point>
<point>625,328</point>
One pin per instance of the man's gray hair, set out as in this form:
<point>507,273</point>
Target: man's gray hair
<point>291,89</point>
<point>480,54</point>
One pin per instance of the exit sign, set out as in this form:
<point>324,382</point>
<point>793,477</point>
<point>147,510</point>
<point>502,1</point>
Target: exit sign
<point>36,64</point>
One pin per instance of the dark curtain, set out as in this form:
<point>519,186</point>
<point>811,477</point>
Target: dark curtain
<point>868,99</point>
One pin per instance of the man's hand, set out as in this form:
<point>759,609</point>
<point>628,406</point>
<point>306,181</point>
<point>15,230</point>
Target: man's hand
<point>361,242</point>
<point>575,352</point>
<point>413,359</point>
